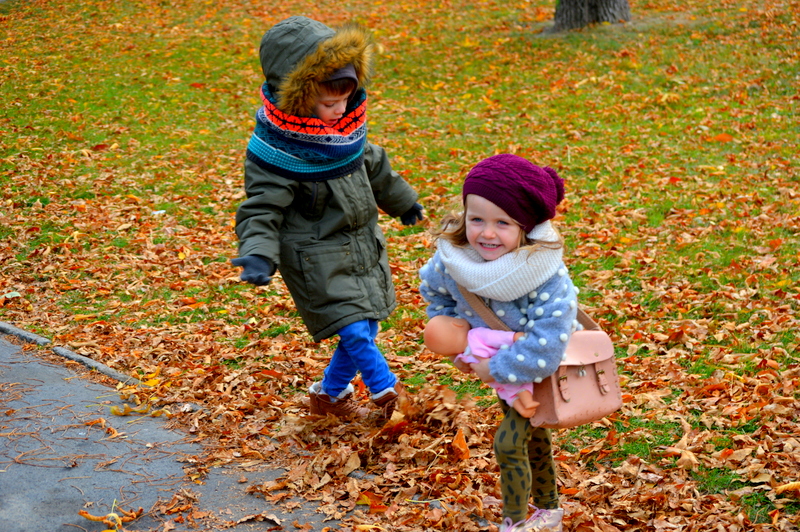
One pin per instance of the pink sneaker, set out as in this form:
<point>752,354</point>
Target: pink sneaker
<point>540,521</point>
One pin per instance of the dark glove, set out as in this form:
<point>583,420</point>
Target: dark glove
<point>412,215</point>
<point>258,270</point>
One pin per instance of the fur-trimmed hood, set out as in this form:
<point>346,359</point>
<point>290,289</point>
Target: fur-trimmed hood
<point>299,53</point>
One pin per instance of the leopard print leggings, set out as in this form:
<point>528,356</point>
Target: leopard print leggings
<point>527,469</point>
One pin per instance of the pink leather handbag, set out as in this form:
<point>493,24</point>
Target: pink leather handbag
<point>585,388</point>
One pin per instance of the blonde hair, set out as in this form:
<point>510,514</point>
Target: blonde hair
<point>454,230</point>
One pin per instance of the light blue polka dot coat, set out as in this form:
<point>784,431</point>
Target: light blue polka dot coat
<point>546,314</point>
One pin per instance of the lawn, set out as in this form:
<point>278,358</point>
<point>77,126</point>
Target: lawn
<point>122,135</point>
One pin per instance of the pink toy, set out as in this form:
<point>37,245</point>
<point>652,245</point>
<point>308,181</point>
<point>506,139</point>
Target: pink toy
<point>453,337</point>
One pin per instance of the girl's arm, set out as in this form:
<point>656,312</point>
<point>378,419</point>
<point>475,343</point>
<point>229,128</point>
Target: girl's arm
<point>440,302</point>
<point>549,323</point>
<point>481,368</point>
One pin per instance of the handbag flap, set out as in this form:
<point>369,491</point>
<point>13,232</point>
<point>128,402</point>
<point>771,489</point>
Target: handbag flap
<point>588,347</point>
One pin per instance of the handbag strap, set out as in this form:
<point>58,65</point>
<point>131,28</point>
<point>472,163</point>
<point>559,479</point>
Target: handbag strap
<point>482,309</point>
<point>490,318</point>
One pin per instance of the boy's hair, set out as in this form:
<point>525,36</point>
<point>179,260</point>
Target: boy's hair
<point>341,86</point>
<point>454,230</point>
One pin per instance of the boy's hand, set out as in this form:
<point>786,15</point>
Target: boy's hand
<point>257,270</point>
<point>412,215</point>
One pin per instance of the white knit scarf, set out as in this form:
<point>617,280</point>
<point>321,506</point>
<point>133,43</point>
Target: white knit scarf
<point>511,276</point>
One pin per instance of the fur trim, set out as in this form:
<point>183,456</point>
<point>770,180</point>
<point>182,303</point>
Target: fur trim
<point>351,44</point>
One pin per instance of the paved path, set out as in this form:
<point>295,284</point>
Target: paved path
<point>57,459</point>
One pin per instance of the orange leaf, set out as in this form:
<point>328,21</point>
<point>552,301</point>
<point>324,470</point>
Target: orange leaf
<point>90,517</point>
<point>375,502</point>
<point>110,519</point>
<point>723,137</point>
<point>368,498</point>
<point>460,446</point>
<point>788,487</point>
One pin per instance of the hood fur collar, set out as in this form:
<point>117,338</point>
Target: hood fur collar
<point>312,62</point>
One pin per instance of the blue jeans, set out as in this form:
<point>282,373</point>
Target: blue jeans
<point>357,352</point>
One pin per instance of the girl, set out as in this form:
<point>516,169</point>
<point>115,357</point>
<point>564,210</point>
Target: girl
<point>504,249</point>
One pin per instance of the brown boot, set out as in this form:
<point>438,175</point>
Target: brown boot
<point>344,407</point>
<point>387,402</point>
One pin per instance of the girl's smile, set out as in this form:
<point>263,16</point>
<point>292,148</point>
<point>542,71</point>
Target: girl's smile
<point>490,230</point>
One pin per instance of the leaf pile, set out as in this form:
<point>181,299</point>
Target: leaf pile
<point>121,144</point>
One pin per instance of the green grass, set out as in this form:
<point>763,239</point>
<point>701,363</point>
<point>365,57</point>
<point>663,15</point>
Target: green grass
<point>676,135</point>
<point>717,480</point>
<point>469,388</point>
<point>757,503</point>
<point>416,380</point>
<point>274,332</point>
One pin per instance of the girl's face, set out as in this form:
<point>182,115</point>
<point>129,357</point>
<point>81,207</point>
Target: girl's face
<point>330,107</point>
<point>490,231</point>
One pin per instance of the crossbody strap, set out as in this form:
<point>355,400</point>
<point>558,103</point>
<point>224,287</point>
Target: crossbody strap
<point>482,309</point>
<point>490,318</point>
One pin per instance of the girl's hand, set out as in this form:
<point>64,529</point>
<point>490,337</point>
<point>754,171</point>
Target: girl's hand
<point>460,364</point>
<point>481,370</point>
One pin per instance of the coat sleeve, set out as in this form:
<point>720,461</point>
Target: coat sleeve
<point>392,194</point>
<point>259,217</point>
<point>433,288</point>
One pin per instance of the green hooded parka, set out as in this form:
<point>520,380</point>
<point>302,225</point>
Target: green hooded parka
<point>323,236</point>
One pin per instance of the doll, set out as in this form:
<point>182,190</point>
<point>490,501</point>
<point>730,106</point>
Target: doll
<point>453,337</point>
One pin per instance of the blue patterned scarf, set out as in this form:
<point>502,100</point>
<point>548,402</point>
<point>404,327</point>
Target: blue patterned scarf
<point>305,148</point>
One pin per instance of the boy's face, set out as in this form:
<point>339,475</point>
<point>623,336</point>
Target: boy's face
<point>330,107</point>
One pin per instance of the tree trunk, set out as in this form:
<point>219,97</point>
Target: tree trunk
<point>574,14</point>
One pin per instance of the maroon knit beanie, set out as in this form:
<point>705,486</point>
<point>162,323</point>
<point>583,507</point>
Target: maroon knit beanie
<point>526,192</point>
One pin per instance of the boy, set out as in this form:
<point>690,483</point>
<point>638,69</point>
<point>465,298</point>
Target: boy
<point>314,185</point>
